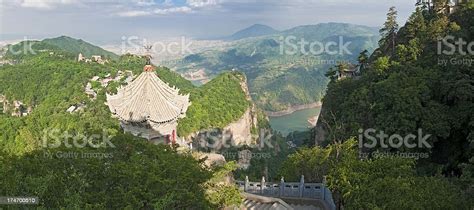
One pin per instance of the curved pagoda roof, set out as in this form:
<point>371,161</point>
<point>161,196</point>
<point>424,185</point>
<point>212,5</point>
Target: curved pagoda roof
<point>148,99</point>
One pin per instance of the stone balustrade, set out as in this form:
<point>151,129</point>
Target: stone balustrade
<point>316,191</point>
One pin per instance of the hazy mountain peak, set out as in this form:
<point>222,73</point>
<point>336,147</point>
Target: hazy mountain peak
<point>253,31</point>
<point>77,46</point>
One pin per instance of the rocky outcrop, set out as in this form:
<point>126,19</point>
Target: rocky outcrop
<point>239,131</point>
<point>212,159</point>
<point>320,131</point>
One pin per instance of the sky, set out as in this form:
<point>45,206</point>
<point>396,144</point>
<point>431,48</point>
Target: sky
<point>109,20</point>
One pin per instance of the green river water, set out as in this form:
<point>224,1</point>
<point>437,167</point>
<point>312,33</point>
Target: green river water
<point>296,121</point>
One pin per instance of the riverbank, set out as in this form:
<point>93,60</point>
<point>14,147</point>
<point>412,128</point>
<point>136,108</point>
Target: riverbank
<point>293,108</point>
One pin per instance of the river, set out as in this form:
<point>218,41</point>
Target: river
<point>296,121</point>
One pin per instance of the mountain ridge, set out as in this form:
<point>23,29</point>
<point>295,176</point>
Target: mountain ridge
<point>62,43</point>
<point>254,30</point>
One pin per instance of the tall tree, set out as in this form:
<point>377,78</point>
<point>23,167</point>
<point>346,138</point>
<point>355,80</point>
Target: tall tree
<point>389,31</point>
<point>363,59</point>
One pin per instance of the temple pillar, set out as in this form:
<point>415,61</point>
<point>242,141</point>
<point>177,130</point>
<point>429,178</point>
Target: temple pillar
<point>173,137</point>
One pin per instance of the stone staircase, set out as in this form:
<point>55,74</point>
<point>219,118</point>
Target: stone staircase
<point>256,202</point>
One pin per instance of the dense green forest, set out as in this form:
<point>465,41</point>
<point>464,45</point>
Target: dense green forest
<point>404,86</point>
<point>133,174</point>
<point>215,104</point>
<point>51,81</point>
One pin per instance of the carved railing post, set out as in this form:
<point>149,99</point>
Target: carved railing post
<point>282,187</point>
<point>246,184</point>
<point>323,188</point>
<point>262,185</point>
<point>301,186</point>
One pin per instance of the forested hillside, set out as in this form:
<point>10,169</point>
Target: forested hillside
<point>52,83</point>
<point>49,82</point>
<point>215,104</point>
<point>407,86</point>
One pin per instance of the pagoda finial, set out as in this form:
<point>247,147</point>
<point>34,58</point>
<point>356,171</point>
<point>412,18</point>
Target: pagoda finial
<point>148,54</point>
<point>148,67</point>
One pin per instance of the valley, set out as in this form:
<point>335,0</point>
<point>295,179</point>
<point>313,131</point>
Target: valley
<point>321,112</point>
<point>278,78</point>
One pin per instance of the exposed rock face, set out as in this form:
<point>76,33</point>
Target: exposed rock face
<point>240,131</point>
<point>320,131</point>
<point>213,159</point>
<point>244,159</point>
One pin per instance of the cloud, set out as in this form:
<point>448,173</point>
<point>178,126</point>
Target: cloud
<point>166,11</point>
<point>183,9</point>
<point>202,3</point>
<point>168,2</point>
<point>144,2</point>
<point>134,13</point>
<point>44,4</point>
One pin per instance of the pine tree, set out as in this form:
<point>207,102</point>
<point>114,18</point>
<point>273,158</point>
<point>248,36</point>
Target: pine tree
<point>363,59</point>
<point>416,25</point>
<point>389,32</point>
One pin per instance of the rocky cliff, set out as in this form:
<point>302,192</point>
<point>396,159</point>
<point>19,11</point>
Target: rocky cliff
<point>320,130</point>
<point>240,131</point>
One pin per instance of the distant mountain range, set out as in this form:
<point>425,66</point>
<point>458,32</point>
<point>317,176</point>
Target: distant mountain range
<point>252,31</point>
<point>62,43</point>
<point>280,72</point>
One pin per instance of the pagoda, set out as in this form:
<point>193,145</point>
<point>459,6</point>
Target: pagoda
<point>149,107</point>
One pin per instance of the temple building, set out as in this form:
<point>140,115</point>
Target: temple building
<point>148,107</point>
<point>348,71</point>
